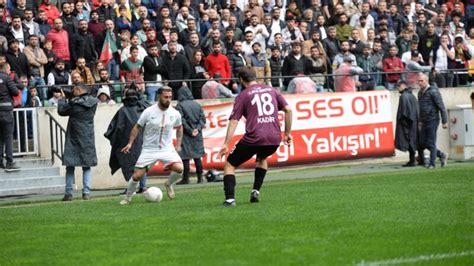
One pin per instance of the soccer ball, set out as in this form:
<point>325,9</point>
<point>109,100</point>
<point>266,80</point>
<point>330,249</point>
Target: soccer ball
<point>153,194</point>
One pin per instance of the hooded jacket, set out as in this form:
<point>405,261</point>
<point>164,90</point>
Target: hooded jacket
<point>192,116</point>
<point>79,148</point>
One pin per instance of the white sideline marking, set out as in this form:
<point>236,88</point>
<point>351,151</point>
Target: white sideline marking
<point>416,259</point>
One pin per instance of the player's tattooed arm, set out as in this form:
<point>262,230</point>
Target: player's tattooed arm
<point>131,138</point>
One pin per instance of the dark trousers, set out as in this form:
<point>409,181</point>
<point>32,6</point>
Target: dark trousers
<point>6,135</point>
<point>197,163</point>
<point>428,133</point>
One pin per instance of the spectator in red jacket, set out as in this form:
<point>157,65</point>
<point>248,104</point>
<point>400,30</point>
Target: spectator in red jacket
<point>59,39</point>
<point>217,63</point>
<point>393,64</point>
<point>51,11</point>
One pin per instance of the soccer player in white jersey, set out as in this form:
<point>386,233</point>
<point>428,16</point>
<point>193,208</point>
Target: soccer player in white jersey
<point>159,120</point>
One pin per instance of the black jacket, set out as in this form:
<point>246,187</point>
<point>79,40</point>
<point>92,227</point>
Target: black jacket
<point>79,148</point>
<point>83,45</point>
<point>176,68</point>
<point>431,105</point>
<point>192,116</point>
<point>292,66</point>
<point>276,65</point>
<point>18,63</point>
<point>8,89</point>
<point>151,69</point>
<point>406,131</point>
<point>236,63</point>
<point>117,133</point>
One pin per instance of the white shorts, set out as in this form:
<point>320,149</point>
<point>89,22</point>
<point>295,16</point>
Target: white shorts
<point>148,158</point>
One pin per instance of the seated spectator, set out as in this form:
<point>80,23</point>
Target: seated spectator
<point>213,90</point>
<point>104,97</point>
<point>301,84</point>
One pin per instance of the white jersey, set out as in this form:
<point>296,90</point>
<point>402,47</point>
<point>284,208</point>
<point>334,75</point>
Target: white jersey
<point>159,125</point>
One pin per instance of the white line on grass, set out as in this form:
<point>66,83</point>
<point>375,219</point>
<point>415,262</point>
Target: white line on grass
<point>416,259</point>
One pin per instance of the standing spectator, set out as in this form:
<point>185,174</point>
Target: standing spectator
<point>427,41</point>
<point>192,147</point>
<point>238,33</point>
<point>37,60</point>
<point>344,79</point>
<point>19,9</point>
<point>84,71</point>
<point>122,21</point>
<point>97,29</point>
<point>81,12</point>
<point>126,51</point>
<point>50,10</point>
<point>83,45</point>
<point>177,68</point>
<point>142,33</point>
<point>237,61</point>
<point>208,42</point>
<point>18,31</point>
<point>443,59</point>
<point>42,21</point>
<point>247,43</point>
<point>315,40</point>
<point>106,11</point>
<point>393,64</point>
<point>79,147</point>
<point>291,34</point>
<point>406,132</point>
<point>152,68</point>
<point>255,9</point>
<point>229,40</point>
<point>345,52</point>
<point>120,126</point>
<point>317,67</point>
<point>355,43</point>
<point>53,101</point>
<point>198,71</point>
<point>70,22</point>
<point>431,107</point>
<point>366,62</point>
<point>192,46</point>
<point>217,63</point>
<point>131,68</point>
<point>8,90</point>
<point>17,60</point>
<point>60,41</point>
<point>185,34</point>
<point>261,139</point>
<point>259,31</point>
<point>294,63</point>
<point>331,44</point>
<point>109,50</point>
<point>48,51</point>
<point>174,38</point>
<point>259,63</point>
<point>276,65</point>
<point>33,27</point>
<point>343,29</point>
<point>462,55</point>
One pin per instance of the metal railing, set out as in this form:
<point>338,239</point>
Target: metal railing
<point>25,132</point>
<point>57,137</point>
<point>455,72</point>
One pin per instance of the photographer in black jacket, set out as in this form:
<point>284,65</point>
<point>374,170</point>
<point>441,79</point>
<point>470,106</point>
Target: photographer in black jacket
<point>8,89</point>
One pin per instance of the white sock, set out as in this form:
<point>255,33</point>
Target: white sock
<point>230,200</point>
<point>174,177</point>
<point>132,187</point>
<point>254,190</point>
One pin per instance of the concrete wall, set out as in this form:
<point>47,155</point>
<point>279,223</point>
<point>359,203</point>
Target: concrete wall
<point>101,174</point>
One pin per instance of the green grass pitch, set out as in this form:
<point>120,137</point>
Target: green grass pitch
<point>409,217</point>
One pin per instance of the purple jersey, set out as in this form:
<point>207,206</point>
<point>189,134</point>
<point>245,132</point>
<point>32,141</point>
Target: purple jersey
<point>259,104</point>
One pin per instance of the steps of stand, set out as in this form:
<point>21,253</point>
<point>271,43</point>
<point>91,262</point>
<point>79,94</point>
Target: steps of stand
<point>36,176</point>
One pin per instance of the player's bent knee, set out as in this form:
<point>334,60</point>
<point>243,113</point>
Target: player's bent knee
<point>178,168</point>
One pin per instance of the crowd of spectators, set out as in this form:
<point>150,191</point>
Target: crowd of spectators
<point>102,42</point>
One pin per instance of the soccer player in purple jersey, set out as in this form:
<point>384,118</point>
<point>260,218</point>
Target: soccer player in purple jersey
<point>259,104</point>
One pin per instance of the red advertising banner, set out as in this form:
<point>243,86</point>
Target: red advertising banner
<point>326,127</point>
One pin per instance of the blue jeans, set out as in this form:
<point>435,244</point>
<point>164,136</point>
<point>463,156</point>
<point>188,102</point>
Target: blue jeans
<point>428,133</point>
<point>86,179</point>
<point>112,67</point>
<point>151,92</point>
